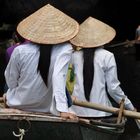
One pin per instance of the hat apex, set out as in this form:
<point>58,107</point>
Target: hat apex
<point>93,33</point>
<point>48,25</point>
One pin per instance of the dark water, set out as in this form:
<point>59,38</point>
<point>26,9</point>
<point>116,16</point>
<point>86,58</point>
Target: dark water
<point>128,62</point>
<point>128,67</point>
<point>131,131</point>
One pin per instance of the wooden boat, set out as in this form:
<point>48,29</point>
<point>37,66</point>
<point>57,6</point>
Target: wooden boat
<point>35,126</point>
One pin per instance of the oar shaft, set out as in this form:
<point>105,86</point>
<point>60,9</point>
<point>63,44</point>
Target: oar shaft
<point>132,114</point>
<point>95,106</point>
<point>113,110</point>
<point>124,43</point>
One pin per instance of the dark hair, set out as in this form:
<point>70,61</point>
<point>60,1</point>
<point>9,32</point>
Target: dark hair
<point>44,61</point>
<point>17,37</point>
<point>88,70</point>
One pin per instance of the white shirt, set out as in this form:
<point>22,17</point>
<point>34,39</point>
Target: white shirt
<point>27,91</point>
<point>105,71</point>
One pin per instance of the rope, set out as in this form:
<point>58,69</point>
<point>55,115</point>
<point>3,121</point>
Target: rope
<point>20,135</point>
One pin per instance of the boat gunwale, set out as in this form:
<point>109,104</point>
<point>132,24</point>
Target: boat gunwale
<point>57,119</point>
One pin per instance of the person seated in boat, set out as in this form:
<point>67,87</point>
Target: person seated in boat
<point>36,72</point>
<point>95,69</point>
<point>17,40</point>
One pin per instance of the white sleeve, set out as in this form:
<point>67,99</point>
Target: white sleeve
<point>59,77</point>
<point>12,71</point>
<point>113,84</point>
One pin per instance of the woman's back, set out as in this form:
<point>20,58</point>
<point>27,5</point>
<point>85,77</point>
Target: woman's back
<point>25,80</point>
<point>105,75</point>
<point>27,89</point>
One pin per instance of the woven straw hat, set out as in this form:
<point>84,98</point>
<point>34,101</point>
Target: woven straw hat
<point>48,25</point>
<point>93,33</point>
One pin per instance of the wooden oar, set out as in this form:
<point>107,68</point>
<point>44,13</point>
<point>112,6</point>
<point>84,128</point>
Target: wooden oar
<point>114,110</point>
<point>124,43</point>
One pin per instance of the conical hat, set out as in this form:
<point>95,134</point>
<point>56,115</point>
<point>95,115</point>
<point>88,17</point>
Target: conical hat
<point>93,33</point>
<point>48,25</point>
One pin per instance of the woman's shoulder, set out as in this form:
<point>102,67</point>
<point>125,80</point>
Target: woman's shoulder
<point>27,47</point>
<point>103,52</point>
<point>63,47</point>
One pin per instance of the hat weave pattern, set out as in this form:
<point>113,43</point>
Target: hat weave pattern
<point>93,33</point>
<point>48,25</point>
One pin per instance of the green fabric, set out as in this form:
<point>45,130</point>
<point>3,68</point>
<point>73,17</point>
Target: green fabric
<point>70,79</point>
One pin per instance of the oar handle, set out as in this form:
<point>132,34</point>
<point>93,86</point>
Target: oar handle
<point>114,110</point>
